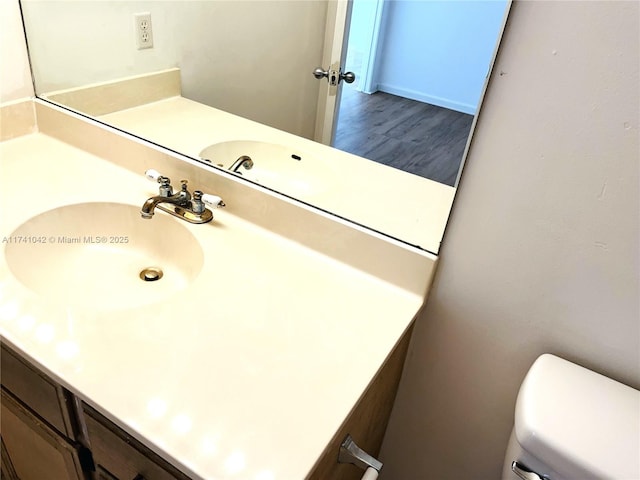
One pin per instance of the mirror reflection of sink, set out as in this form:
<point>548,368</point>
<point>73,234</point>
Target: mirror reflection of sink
<point>103,256</point>
<point>279,167</point>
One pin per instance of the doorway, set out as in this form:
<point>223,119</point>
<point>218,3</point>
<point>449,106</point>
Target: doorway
<point>420,69</point>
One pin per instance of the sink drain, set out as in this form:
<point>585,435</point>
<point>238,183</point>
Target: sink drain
<point>151,274</point>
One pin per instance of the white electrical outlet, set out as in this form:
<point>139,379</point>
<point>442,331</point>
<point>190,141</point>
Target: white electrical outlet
<point>144,33</point>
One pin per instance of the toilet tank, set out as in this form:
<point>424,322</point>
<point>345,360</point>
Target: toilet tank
<point>572,423</point>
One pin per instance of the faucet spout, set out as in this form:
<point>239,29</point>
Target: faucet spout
<point>242,161</point>
<point>149,206</point>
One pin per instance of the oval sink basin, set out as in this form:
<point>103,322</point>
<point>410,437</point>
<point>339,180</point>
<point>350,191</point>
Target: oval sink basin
<point>281,168</point>
<point>103,256</point>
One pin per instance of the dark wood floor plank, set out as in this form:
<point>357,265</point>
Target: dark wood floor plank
<point>416,137</point>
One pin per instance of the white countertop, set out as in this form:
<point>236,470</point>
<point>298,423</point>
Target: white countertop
<point>247,374</point>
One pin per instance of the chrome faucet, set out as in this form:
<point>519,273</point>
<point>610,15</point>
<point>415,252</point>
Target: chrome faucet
<point>183,205</point>
<point>242,161</point>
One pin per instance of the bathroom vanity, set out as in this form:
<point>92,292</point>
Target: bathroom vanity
<point>72,440</point>
<point>282,330</point>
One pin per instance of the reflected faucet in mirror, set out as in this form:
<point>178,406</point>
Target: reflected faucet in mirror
<point>243,161</point>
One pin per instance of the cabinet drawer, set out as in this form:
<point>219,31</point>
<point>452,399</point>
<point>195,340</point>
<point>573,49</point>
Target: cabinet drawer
<point>123,457</point>
<point>41,394</point>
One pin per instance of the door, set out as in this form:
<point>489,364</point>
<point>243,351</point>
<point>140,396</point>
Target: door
<point>340,15</point>
<point>333,58</point>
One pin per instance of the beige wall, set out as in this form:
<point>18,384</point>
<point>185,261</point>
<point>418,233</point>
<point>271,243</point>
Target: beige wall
<point>251,58</point>
<point>542,250</point>
<point>15,76</point>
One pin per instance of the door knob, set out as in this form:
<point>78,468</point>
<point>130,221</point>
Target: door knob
<point>334,77</point>
<point>348,77</point>
<point>320,73</point>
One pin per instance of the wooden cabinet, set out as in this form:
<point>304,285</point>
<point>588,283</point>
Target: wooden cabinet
<point>37,430</point>
<point>32,449</point>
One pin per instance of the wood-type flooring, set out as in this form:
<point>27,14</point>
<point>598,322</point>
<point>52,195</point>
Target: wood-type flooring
<point>413,136</point>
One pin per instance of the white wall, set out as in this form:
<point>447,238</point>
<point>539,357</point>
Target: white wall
<point>246,57</point>
<point>542,249</point>
<point>439,51</point>
<point>15,75</point>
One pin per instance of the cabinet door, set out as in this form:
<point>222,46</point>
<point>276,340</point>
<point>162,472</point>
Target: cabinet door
<point>118,456</point>
<point>34,450</point>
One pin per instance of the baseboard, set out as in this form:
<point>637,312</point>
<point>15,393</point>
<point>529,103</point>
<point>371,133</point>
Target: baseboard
<point>430,99</point>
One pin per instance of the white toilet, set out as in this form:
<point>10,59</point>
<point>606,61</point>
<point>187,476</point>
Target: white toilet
<point>573,424</point>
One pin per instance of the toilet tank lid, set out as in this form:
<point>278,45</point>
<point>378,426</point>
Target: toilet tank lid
<point>578,422</point>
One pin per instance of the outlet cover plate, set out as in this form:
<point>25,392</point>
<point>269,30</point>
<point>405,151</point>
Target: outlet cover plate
<point>144,32</point>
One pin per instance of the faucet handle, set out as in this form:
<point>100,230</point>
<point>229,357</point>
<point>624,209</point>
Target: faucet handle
<point>212,200</point>
<point>200,199</point>
<point>156,176</point>
<point>152,175</point>
<point>165,189</point>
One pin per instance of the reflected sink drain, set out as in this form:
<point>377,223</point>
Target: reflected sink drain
<point>151,274</point>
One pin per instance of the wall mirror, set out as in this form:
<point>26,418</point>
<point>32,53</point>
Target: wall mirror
<point>420,70</point>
